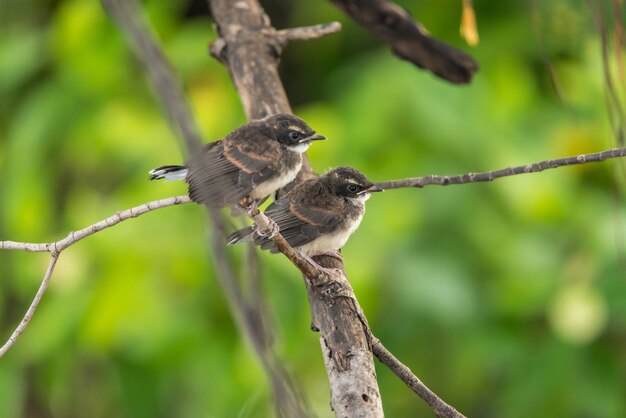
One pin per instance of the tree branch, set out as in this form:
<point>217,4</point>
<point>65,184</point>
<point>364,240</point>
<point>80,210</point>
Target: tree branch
<point>393,25</point>
<point>247,313</point>
<point>263,224</point>
<point>289,401</point>
<point>250,50</point>
<point>307,33</point>
<point>74,237</point>
<point>129,18</point>
<point>33,306</point>
<point>55,249</point>
<point>440,408</point>
<point>505,172</point>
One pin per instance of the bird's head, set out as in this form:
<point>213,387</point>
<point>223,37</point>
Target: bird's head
<point>351,183</point>
<point>292,131</point>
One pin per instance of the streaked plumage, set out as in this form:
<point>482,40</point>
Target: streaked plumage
<point>253,161</point>
<point>318,215</point>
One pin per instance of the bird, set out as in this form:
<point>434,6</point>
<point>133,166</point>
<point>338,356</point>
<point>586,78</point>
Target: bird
<point>318,215</point>
<point>250,163</point>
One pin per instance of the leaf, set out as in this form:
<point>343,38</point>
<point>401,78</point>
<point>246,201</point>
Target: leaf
<point>468,28</point>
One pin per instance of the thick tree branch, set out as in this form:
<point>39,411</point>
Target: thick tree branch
<point>505,172</point>
<point>345,339</point>
<point>250,50</point>
<point>393,25</point>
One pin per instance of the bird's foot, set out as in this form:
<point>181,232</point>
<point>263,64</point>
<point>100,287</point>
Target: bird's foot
<point>271,231</point>
<point>333,274</point>
<point>333,253</point>
<point>249,206</point>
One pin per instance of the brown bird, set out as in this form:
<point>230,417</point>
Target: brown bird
<point>318,215</point>
<point>253,161</point>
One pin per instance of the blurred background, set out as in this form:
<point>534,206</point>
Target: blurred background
<point>508,299</point>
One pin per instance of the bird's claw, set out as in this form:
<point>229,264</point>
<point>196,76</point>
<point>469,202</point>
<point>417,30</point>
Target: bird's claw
<point>249,206</point>
<point>333,274</point>
<point>271,231</point>
<point>333,253</point>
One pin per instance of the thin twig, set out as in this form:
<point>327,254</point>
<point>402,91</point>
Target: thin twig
<point>55,249</point>
<point>439,407</point>
<point>73,237</point>
<point>306,33</point>
<point>262,223</point>
<point>505,172</point>
<point>33,306</point>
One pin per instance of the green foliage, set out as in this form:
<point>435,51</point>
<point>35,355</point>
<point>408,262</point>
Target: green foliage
<point>506,298</point>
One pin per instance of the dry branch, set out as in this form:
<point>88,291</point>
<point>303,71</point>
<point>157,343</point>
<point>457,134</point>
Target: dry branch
<point>33,306</point>
<point>75,236</point>
<point>250,50</point>
<point>438,406</point>
<point>55,249</point>
<point>505,172</point>
<point>393,25</point>
<point>253,321</point>
<point>130,19</point>
<point>250,47</point>
<point>248,312</point>
<point>306,33</point>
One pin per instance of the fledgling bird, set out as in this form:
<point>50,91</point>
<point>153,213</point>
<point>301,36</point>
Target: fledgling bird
<point>253,161</point>
<point>318,215</point>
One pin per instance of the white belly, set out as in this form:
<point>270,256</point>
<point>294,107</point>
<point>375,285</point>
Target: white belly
<point>331,242</point>
<point>268,187</point>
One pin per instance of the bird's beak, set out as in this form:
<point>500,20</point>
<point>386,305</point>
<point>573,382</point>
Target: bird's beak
<point>373,188</point>
<point>314,137</point>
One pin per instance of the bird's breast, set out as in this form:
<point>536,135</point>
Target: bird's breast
<point>290,167</point>
<point>334,240</point>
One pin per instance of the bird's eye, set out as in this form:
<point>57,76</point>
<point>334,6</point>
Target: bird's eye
<point>294,135</point>
<point>352,188</point>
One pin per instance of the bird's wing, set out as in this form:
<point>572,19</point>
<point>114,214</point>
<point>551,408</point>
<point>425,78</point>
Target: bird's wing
<point>252,155</point>
<point>257,158</point>
<point>304,216</point>
<point>213,179</point>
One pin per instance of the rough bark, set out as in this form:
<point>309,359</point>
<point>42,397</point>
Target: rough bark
<point>247,45</point>
<point>346,345</point>
<point>250,48</point>
<point>408,40</point>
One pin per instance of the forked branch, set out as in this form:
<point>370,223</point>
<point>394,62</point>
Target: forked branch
<point>55,249</point>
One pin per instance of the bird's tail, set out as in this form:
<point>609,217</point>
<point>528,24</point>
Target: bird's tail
<point>244,234</point>
<point>169,173</point>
